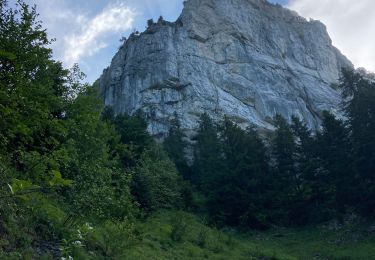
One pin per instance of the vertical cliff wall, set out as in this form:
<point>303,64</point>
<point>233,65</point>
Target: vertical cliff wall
<point>247,59</point>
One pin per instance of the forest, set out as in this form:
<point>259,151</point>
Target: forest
<point>79,182</point>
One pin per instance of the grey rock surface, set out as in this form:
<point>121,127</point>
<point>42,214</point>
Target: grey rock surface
<point>246,59</point>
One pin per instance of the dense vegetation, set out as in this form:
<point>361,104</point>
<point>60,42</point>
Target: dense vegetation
<point>78,180</point>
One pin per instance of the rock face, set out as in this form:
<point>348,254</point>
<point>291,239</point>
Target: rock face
<point>246,59</point>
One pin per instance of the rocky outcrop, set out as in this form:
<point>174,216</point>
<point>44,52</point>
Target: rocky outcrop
<point>247,59</point>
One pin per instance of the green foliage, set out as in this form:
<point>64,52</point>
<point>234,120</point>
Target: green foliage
<point>112,238</point>
<point>179,227</point>
<point>283,150</point>
<point>288,150</point>
<point>19,186</point>
<point>32,86</point>
<point>359,93</point>
<point>242,189</point>
<point>133,133</point>
<point>310,179</point>
<point>57,180</point>
<point>175,145</point>
<point>335,157</point>
<point>208,158</point>
<point>202,237</point>
<point>157,185</point>
<point>276,243</point>
<point>101,184</point>
<point>54,147</point>
<point>313,202</point>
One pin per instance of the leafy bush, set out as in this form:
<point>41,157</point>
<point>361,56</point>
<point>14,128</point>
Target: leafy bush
<point>179,227</point>
<point>112,238</point>
<point>157,184</point>
<point>202,237</point>
<point>101,183</point>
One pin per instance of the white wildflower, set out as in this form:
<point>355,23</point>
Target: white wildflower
<point>79,234</point>
<point>69,258</point>
<point>89,227</point>
<point>77,243</point>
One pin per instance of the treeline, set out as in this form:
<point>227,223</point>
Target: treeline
<point>292,176</point>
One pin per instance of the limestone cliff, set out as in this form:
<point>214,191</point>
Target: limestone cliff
<point>247,59</point>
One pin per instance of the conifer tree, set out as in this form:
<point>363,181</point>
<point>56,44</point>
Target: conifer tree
<point>133,136</point>
<point>283,150</point>
<point>175,145</point>
<point>336,158</point>
<point>307,167</point>
<point>359,106</point>
<point>242,195</point>
<point>208,157</point>
<point>287,179</point>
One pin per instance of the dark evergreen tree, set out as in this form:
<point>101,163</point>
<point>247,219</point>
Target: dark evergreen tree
<point>241,197</point>
<point>336,175</point>
<point>175,145</point>
<point>288,180</point>
<point>208,156</point>
<point>284,149</point>
<point>133,136</point>
<point>311,201</point>
<point>108,114</point>
<point>359,95</point>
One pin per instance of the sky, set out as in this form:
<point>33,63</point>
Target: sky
<point>88,32</point>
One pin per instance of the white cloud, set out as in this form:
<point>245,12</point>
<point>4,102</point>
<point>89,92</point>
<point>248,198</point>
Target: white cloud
<point>93,34</point>
<point>351,25</point>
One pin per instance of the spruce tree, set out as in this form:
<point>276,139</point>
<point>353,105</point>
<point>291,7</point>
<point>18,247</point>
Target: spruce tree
<point>242,195</point>
<point>175,145</point>
<point>208,157</point>
<point>133,136</point>
<point>287,179</point>
<point>311,199</point>
<point>359,106</point>
<point>335,153</point>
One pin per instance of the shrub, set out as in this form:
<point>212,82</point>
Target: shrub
<point>157,184</point>
<point>179,227</point>
<point>112,238</point>
<point>202,238</point>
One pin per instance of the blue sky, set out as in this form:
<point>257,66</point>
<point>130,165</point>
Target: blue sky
<point>88,32</point>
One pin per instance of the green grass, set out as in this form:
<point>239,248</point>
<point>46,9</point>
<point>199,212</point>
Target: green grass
<point>180,235</point>
<point>197,241</point>
<point>319,243</point>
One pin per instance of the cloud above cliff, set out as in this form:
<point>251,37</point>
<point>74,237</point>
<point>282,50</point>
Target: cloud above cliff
<point>351,25</point>
<point>94,32</point>
<point>88,32</point>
